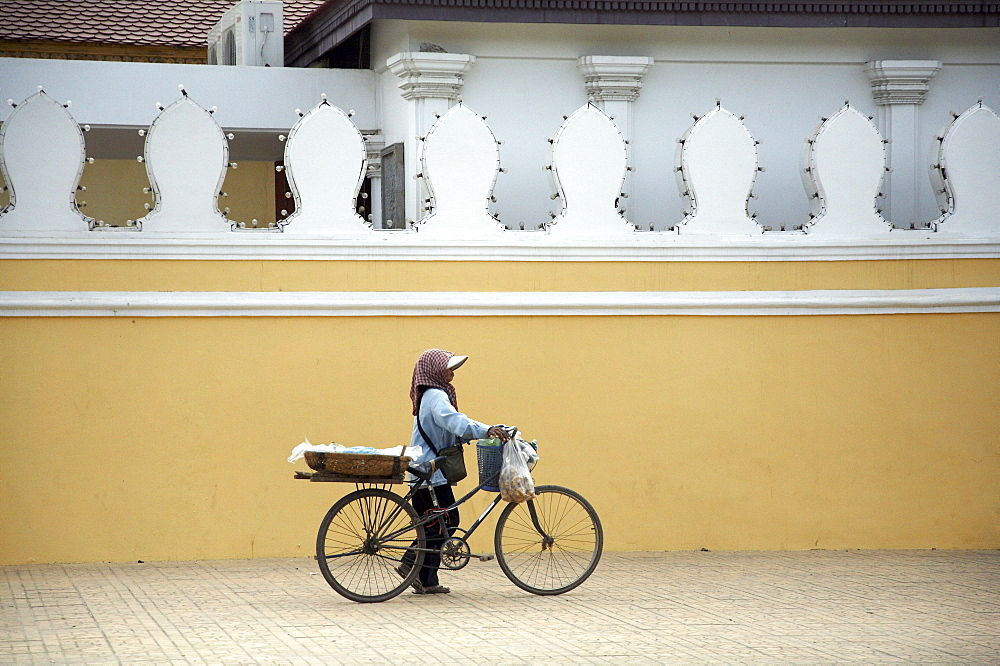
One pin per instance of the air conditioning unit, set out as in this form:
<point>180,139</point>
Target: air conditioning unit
<point>250,33</point>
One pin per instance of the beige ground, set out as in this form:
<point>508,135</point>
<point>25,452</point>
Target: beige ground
<point>692,607</point>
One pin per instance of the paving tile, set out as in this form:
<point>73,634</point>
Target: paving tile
<point>688,607</point>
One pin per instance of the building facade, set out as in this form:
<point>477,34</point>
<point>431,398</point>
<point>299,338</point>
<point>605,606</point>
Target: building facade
<point>770,325</point>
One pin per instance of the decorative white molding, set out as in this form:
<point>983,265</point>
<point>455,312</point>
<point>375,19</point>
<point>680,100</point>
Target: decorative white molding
<point>901,81</point>
<point>430,74</point>
<point>511,246</point>
<point>613,84</point>
<point>459,163</point>
<point>899,88</point>
<point>186,156</point>
<point>844,162</point>
<point>587,166</point>
<point>613,78</point>
<point>325,160</point>
<point>966,176</point>
<point>430,82</point>
<point>716,166</point>
<point>374,143</point>
<point>42,153</point>
<point>488,304</point>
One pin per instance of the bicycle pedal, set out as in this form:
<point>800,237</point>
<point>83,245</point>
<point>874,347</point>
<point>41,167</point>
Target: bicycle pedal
<point>485,557</point>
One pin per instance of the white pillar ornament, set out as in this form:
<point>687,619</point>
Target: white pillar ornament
<point>899,88</point>
<point>374,143</point>
<point>431,83</point>
<point>613,84</point>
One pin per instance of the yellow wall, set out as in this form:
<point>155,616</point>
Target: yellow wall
<point>166,437</point>
<point>114,192</point>
<point>375,275</point>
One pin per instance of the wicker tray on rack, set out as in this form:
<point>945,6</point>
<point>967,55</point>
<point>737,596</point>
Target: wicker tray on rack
<point>354,467</point>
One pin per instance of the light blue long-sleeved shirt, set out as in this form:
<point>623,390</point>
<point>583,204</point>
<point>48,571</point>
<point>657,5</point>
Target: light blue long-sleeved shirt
<point>442,423</point>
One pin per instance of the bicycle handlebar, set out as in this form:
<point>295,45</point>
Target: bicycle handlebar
<point>510,430</point>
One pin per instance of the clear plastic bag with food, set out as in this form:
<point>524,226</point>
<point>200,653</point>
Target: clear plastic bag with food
<point>516,484</point>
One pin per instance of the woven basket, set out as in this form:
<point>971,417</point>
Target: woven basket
<point>356,464</point>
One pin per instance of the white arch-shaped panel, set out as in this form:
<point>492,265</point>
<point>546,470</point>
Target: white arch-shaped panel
<point>186,157</point>
<point>460,161</point>
<point>42,154</point>
<point>844,166</point>
<point>716,170</point>
<point>968,170</point>
<point>588,167</point>
<point>325,160</point>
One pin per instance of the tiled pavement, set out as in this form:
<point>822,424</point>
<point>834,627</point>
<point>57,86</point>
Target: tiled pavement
<point>690,607</point>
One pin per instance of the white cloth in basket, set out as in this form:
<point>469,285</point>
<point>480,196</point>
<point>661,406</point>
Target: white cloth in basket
<point>300,451</point>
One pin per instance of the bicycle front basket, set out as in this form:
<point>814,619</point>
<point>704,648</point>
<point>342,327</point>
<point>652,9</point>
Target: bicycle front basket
<point>489,456</point>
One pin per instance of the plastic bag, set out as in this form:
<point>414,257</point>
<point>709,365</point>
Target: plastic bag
<point>528,450</point>
<point>516,484</point>
<point>299,451</point>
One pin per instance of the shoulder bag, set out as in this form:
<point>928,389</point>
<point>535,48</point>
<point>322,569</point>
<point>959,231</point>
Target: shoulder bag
<point>453,467</point>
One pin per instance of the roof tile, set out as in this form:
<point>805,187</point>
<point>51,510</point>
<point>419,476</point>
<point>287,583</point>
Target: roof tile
<point>129,22</point>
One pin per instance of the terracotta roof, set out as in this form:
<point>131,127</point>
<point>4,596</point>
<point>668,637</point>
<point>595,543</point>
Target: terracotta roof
<point>183,23</point>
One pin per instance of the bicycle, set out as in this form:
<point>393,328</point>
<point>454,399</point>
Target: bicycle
<point>547,545</point>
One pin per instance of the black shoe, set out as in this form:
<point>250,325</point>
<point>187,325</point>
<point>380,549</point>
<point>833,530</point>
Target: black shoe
<point>433,589</point>
<point>404,570</point>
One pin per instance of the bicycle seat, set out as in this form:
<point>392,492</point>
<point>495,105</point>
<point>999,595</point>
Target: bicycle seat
<point>425,470</point>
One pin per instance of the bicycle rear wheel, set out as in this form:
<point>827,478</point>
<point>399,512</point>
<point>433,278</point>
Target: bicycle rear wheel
<point>361,543</point>
<point>550,544</point>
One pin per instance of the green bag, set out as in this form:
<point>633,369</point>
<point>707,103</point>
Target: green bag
<point>454,463</point>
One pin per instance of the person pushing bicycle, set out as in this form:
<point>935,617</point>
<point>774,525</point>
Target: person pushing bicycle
<point>437,427</point>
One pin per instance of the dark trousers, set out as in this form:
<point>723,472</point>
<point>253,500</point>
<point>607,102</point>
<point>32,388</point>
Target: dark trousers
<point>432,561</point>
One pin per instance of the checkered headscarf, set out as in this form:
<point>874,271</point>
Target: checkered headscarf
<point>429,372</point>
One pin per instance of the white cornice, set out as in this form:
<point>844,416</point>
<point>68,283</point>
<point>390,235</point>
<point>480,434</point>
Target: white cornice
<point>901,81</point>
<point>471,304</point>
<point>610,78</point>
<point>513,246</point>
<point>424,74</point>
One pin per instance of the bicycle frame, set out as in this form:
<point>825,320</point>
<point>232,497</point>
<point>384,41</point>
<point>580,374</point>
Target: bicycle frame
<point>438,514</point>
<point>435,514</point>
<point>547,545</point>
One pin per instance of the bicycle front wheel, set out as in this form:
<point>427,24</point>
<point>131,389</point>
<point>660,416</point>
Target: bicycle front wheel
<point>361,543</point>
<point>550,544</point>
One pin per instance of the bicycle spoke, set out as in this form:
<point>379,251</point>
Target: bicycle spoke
<point>557,553</point>
<point>362,541</point>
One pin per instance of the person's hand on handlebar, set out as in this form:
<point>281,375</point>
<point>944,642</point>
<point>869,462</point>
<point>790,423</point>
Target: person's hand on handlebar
<point>499,432</point>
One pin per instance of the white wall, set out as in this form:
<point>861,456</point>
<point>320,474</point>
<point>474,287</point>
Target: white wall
<point>782,80</point>
<point>117,97</point>
<point>388,39</point>
<point>525,79</point>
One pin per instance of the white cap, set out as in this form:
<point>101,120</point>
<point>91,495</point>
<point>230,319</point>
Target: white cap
<point>455,362</point>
